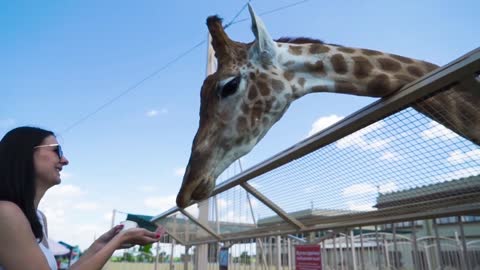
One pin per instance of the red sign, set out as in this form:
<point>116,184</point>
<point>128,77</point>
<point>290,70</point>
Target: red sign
<point>307,257</point>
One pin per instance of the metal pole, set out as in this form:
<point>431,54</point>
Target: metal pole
<point>377,243</point>
<point>289,248</point>
<point>464,243</point>
<point>354,259</point>
<point>417,264</point>
<point>385,245</point>
<point>155,267</point>
<point>186,258</point>
<point>437,241</point>
<point>334,252</point>
<point>362,261</point>
<point>279,252</point>
<point>113,217</point>
<point>395,248</point>
<point>172,267</point>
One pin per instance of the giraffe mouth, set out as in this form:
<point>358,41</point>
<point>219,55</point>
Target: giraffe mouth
<point>197,191</point>
<point>196,186</point>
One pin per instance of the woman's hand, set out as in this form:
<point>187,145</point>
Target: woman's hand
<point>138,236</point>
<point>105,238</point>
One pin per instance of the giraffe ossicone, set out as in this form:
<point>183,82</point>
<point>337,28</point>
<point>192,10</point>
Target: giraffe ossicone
<point>256,82</point>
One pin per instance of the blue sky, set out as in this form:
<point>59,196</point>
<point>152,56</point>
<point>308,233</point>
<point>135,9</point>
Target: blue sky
<point>61,61</point>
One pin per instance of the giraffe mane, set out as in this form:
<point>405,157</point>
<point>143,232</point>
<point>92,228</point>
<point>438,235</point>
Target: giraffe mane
<point>299,40</point>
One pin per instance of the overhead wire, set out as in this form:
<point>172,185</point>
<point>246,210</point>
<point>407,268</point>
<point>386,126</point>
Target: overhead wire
<point>168,64</point>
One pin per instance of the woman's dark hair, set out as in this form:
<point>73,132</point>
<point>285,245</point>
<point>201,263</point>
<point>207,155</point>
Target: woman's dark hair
<point>17,172</point>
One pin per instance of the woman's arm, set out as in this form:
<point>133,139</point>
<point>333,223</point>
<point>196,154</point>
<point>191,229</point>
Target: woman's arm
<point>96,260</point>
<point>19,249</point>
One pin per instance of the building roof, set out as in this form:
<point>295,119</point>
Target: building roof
<point>462,186</point>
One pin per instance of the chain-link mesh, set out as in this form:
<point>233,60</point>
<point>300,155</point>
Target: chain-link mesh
<point>401,165</point>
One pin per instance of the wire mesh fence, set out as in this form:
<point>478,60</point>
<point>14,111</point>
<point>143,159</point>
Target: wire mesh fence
<point>377,198</point>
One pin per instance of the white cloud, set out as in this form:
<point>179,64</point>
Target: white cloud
<point>359,189</point>
<point>458,156</point>
<point>65,175</point>
<point>324,122</point>
<point>66,191</point>
<point>108,216</point>
<point>160,204</point>
<point>362,197</point>
<point>388,187</point>
<point>147,189</point>
<point>358,139</point>
<point>153,112</point>
<point>85,206</point>
<point>437,131</point>
<point>355,206</point>
<point>233,216</point>
<point>391,156</point>
<point>462,173</point>
<point>179,171</point>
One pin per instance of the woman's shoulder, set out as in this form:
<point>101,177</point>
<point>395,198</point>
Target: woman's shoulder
<point>11,213</point>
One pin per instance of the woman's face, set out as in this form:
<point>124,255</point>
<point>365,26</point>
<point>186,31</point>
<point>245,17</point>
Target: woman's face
<point>48,162</point>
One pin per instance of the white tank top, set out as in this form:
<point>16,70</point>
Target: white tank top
<point>47,252</point>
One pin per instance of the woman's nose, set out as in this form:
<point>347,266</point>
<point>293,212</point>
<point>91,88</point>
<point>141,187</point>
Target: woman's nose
<point>64,161</point>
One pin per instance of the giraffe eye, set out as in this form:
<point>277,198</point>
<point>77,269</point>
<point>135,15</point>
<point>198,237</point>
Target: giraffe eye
<point>230,88</point>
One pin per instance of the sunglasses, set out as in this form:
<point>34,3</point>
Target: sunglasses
<point>58,148</point>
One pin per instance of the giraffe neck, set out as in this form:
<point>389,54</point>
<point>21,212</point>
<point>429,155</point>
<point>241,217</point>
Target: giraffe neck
<point>315,67</point>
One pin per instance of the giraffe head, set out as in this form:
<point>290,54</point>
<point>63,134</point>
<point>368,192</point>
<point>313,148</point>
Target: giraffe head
<point>239,103</point>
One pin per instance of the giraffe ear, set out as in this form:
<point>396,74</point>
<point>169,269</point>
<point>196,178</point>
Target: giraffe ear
<point>264,46</point>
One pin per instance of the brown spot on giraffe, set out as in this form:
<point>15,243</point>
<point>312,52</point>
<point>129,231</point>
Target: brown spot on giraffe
<point>339,64</point>
<point>277,85</point>
<point>295,50</point>
<point>317,68</point>
<point>402,59</point>
<point>404,78</point>
<point>318,48</point>
<point>256,113</point>
<point>264,90</point>
<point>262,85</point>
<point>301,81</point>
<point>252,92</point>
<point>239,140</point>
<point>295,92</point>
<point>345,50</point>
<point>268,105</point>
<point>388,64</point>
<point>288,75</point>
<point>251,75</point>
<point>370,52</point>
<point>265,121</point>
<point>429,66</point>
<point>320,88</point>
<point>361,67</point>
<point>345,87</point>
<point>242,125</point>
<point>415,71</point>
<point>244,108</point>
<point>379,86</point>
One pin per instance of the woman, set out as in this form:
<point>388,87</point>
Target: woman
<point>30,163</point>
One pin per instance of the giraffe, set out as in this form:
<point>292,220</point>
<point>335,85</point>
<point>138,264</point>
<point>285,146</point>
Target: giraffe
<point>256,82</point>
